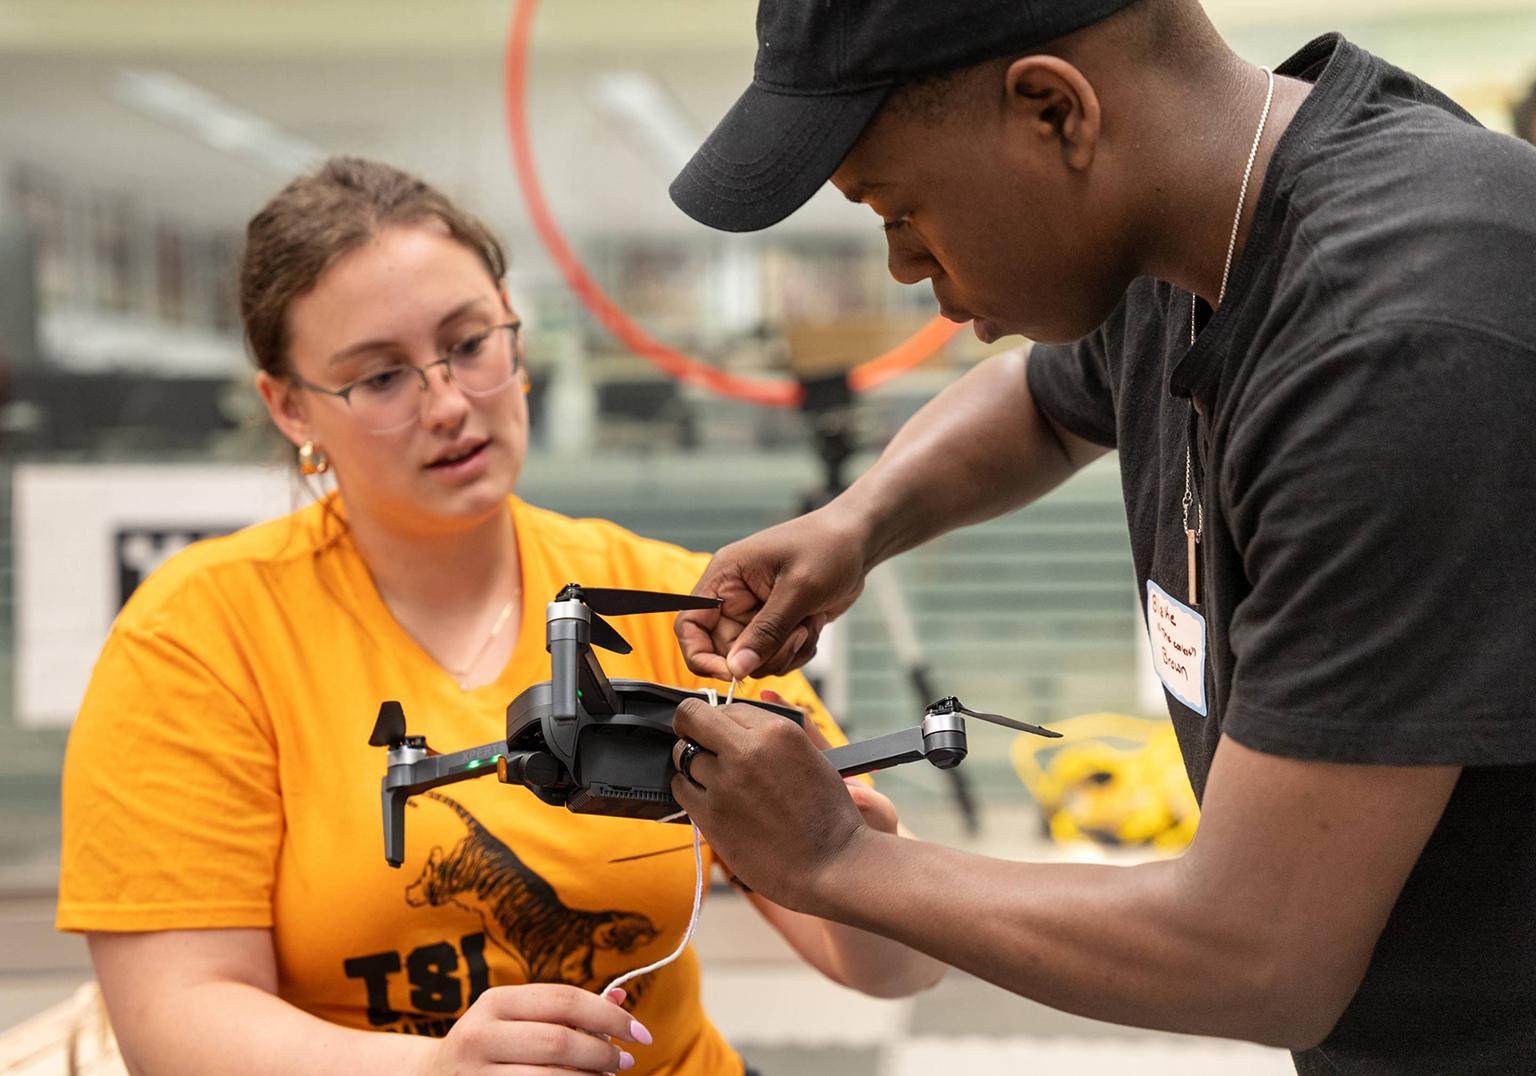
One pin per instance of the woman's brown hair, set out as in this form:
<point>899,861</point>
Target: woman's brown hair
<point>319,217</point>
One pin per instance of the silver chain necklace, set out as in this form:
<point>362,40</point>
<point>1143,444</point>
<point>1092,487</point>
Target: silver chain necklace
<point>1194,534</point>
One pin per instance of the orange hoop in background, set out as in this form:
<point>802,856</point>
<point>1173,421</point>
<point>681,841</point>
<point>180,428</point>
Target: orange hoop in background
<point>774,392</point>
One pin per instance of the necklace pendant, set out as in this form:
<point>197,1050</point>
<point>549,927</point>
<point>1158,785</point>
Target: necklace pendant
<point>1191,539</point>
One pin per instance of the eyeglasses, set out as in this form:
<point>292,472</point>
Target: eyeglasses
<point>389,399</point>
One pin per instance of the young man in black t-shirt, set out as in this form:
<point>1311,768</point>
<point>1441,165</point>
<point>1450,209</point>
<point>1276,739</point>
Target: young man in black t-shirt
<point>1301,306</point>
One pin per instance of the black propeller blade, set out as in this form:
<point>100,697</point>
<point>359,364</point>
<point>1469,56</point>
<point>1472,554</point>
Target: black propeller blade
<point>607,636</point>
<point>389,729</point>
<point>612,602</point>
<point>951,705</point>
<point>1010,723</point>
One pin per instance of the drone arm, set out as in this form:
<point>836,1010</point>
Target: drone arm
<point>412,771</point>
<point>880,753</point>
<point>394,823</point>
<point>564,672</point>
<point>940,739</point>
<point>596,692</point>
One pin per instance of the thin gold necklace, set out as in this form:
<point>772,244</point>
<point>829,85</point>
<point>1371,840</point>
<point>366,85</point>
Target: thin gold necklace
<point>461,676</point>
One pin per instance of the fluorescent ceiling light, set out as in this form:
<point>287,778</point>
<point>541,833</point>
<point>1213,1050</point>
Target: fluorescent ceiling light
<point>639,104</point>
<point>217,123</point>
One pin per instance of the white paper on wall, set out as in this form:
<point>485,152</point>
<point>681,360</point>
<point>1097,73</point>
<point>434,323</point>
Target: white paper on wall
<point>86,534</point>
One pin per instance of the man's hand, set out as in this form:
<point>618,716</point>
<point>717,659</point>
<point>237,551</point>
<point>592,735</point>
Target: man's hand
<point>781,586</point>
<point>767,800</point>
<point>878,810</point>
<point>779,589</point>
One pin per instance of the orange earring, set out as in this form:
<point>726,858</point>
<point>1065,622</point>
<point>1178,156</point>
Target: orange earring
<point>312,460</point>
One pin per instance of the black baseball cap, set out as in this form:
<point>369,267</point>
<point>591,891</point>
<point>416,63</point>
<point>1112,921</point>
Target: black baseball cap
<point>823,69</point>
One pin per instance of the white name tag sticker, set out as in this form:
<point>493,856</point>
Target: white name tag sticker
<point>1177,634</point>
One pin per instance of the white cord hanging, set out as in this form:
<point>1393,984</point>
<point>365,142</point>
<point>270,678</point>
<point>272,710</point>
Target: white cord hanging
<point>693,921</point>
<point>698,895</point>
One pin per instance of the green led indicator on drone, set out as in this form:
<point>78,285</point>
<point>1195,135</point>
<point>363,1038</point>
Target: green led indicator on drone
<point>472,765</point>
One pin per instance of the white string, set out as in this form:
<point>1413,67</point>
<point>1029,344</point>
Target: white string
<point>693,921</point>
<point>698,896</point>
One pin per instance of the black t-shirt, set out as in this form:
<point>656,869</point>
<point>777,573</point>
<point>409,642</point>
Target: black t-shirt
<point>1365,456</point>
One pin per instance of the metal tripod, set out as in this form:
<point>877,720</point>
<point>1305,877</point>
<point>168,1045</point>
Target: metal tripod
<point>828,406</point>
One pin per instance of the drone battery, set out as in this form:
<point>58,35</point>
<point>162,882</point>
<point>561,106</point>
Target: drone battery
<point>625,770</point>
<point>622,802</point>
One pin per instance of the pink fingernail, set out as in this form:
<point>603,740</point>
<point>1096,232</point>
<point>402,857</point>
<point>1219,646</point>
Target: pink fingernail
<point>617,995</point>
<point>638,1032</point>
<point>626,1060</point>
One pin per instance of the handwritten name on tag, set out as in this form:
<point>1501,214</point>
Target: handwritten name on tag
<point>1177,634</point>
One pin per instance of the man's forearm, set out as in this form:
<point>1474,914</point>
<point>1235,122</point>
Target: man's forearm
<point>1122,944</point>
<point>978,449</point>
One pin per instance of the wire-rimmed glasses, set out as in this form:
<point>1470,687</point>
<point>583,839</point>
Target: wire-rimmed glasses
<point>389,398</point>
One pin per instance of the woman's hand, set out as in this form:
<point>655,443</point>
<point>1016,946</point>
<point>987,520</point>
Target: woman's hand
<point>542,1028</point>
<point>878,810</point>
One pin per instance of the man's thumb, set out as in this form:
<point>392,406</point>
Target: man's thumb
<point>743,662</point>
<point>765,634</point>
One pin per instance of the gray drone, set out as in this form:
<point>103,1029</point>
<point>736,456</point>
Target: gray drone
<point>596,745</point>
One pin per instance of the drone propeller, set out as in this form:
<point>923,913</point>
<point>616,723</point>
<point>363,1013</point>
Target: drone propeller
<point>1010,723</point>
<point>953,705</point>
<point>614,602</point>
<point>389,729</point>
<point>624,602</point>
<point>607,636</point>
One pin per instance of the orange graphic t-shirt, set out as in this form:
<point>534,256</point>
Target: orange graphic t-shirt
<point>219,775</point>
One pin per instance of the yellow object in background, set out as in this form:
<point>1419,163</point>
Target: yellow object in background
<point>1112,779</point>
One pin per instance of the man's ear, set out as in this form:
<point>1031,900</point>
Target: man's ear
<point>284,405</point>
<point>1058,104</point>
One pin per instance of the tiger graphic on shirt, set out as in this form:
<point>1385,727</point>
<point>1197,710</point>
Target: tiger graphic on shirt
<point>521,912</point>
